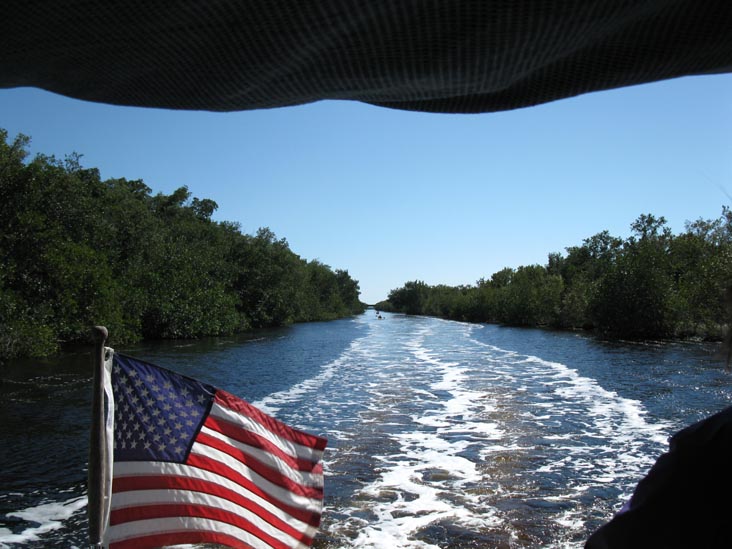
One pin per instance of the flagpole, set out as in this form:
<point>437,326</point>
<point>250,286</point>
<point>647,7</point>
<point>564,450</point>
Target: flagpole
<point>97,448</point>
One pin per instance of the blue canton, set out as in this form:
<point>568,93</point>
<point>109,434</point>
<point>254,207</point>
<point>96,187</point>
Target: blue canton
<point>157,413</point>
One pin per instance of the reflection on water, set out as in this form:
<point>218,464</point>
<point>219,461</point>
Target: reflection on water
<point>441,434</point>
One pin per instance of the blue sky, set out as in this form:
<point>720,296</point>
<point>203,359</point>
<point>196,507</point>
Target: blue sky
<point>396,196</point>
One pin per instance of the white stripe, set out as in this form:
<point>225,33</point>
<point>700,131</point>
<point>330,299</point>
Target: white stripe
<point>274,462</point>
<point>124,500</point>
<point>108,466</point>
<point>124,469</point>
<point>277,492</point>
<point>245,422</point>
<point>148,527</point>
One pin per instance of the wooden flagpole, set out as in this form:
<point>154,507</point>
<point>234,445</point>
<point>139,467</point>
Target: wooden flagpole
<point>97,447</point>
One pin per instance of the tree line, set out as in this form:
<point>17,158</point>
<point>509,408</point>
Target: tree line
<point>651,285</point>
<point>78,251</point>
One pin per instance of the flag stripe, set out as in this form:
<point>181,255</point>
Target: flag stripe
<point>142,476</point>
<point>280,488</point>
<point>279,497</point>
<point>195,491</point>
<point>179,538</point>
<point>266,465</point>
<point>249,438</point>
<point>169,531</point>
<point>303,444</point>
<point>213,509</point>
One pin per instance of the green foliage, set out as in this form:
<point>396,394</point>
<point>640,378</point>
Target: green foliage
<point>78,251</point>
<point>651,285</point>
<point>411,298</point>
<point>532,298</point>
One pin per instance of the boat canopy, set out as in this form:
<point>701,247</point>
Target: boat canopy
<point>458,56</point>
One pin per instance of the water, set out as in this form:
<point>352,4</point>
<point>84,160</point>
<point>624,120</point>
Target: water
<point>441,434</point>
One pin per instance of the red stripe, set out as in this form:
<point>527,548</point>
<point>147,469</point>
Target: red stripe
<point>263,470</point>
<point>200,511</point>
<point>151,482</point>
<point>197,485</point>
<point>176,538</point>
<point>213,466</point>
<point>227,400</point>
<point>232,430</point>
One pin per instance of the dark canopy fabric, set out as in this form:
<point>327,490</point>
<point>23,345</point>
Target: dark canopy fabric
<point>428,55</point>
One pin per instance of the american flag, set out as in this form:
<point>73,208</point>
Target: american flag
<point>195,464</point>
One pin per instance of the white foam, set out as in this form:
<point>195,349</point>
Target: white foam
<point>420,484</point>
<point>48,517</point>
<point>273,402</point>
<point>445,406</point>
<point>619,425</point>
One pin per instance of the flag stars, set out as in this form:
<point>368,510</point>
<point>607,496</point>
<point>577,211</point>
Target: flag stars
<point>156,412</point>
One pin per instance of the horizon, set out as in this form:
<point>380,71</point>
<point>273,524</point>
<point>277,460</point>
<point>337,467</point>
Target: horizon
<point>393,196</point>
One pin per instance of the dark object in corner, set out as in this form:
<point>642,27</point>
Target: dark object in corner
<point>682,502</point>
